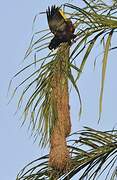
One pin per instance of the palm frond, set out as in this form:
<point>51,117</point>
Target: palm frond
<point>94,22</point>
<point>92,153</point>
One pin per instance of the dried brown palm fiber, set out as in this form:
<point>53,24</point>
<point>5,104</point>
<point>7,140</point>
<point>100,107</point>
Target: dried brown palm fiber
<point>59,154</point>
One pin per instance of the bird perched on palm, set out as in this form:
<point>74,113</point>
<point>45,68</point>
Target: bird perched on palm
<point>62,27</point>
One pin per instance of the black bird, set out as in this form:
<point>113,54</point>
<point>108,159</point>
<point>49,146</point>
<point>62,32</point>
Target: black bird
<point>62,27</point>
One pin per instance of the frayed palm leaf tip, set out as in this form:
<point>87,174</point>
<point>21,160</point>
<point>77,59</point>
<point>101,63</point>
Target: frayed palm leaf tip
<point>62,27</point>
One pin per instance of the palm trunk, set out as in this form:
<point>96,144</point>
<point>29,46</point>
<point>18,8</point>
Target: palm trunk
<point>59,154</point>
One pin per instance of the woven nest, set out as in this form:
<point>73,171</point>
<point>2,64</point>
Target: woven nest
<point>59,155</point>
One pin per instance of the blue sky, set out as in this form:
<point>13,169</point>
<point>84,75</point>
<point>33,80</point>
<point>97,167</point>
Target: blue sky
<point>16,146</point>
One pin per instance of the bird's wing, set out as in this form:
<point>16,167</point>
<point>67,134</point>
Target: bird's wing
<point>56,20</point>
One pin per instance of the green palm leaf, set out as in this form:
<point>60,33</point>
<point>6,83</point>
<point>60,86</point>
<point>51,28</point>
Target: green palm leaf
<point>105,58</point>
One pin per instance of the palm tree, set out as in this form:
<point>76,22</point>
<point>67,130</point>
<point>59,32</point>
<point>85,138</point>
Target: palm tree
<point>89,152</point>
